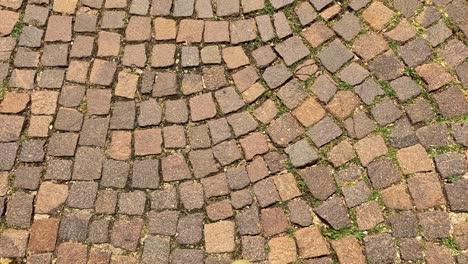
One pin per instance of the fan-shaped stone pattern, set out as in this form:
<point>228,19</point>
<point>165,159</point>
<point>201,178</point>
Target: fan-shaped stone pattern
<point>200,131</point>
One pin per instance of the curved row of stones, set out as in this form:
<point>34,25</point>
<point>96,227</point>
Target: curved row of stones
<point>199,131</point>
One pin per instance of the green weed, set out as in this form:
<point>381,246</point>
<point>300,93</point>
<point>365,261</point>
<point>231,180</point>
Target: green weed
<point>83,107</point>
<point>436,151</point>
<point>453,179</point>
<point>385,132</point>
<point>302,185</point>
<point>3,226</point>
<point>441,119</point>
<point>392,44</point>
<point>387,88</point>
<point>3,89</point>
<point>376,196</point>
<point>344,232</point>
<point>394,21</point>
<point>379,229</point>
<point>392,155</point>
<point>267,249</point>
<point>268,9</point>
<point>17,30</point>
<point>450,243</point>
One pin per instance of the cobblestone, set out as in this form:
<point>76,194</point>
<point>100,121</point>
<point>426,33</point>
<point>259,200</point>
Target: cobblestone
<point>183,131</point>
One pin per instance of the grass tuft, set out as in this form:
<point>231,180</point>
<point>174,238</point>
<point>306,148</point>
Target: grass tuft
<point>392,44</point>
<point>3,226</point>
<point>268,9</point>
<point>393,21</point>
<point>436,151</point>
<point>410,72</point>
<point>302,185</point>
<point>453,179</point>
<point>379,229</point>
<point>3,89</point>
<point>344,232</point>
<point>376,196</point>
<point>385,132</point>
<point>450,243</point>
<point>17,30</point>
<point>83,107</point>
<point>267,249</point>
<point>387,88</point>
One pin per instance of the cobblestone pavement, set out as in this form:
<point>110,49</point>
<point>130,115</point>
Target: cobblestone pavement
<point>210,131</point>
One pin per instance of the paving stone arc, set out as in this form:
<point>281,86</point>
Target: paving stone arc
<point>212,131</point>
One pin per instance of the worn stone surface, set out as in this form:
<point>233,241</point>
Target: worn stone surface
<point>219,237</point>
<point>324,132</point>
<point>357,194</point>
<point>414,159</point>
<point>426,190</point>
<point>334,213</point>
<point>369,215</point>
<point>334,56</point>
<point>283,250</point>
<point>14,243</point>
<point>403,135</point>
<point>380,249</point>
<point>199,131</point>
<point>51,197</point>
<point>456,195</point>
<point>377,15</point>
<point>435,224</point>
<point>370,148</point>
<point>322,175</point>
<point>311,243</point>
<point>301,154</point>
<point>348,250</point>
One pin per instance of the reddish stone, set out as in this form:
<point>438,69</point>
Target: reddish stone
<point>51,197</point>
<point>164,28</point>
<point>370,148</point>
<point>414,159</point>
<point>349,251</point>
<point>9,20</point>
<point>377,15</point>
<point>286,186</point>
<point>126,234</point>
<point>343,104</point>
<point>14,103</point>
<point>219,237</point>
<point>282,250</point>
<point>44,235</point>
<point>190,31</point>
<point>13,243</point>
<point>163,55</point>
<point>254,144</point>
<point>311,243</point>
<point>397,197</point>
<point>368,215</point>
<point>148,142</point>
<point>274,221</point>
<point>219,210</point>
<point>70,252</point>
<point>174,168</point>
<point>426,190</point>
<point>202,107</point>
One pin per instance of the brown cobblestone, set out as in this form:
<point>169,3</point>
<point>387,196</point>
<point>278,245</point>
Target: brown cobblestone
<point>199,131</point>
